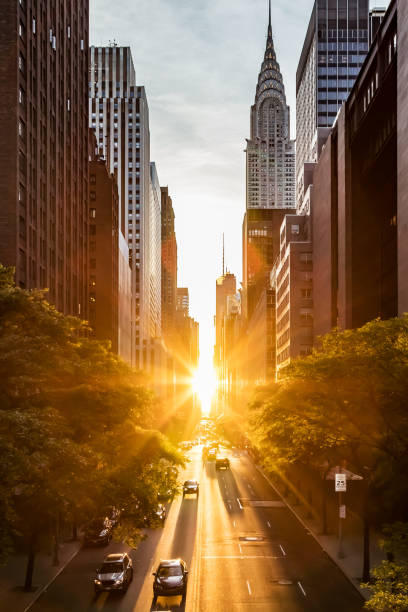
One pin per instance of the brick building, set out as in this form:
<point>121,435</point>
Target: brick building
<point>44,153</point>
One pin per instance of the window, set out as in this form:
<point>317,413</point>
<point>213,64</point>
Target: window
<point>294,229</point>
<point>92,213</point>
<point>306,293</point>
<point>92,179</point>
<point>92,195</point>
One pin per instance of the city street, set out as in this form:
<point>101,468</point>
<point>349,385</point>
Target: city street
<point>245,551</point>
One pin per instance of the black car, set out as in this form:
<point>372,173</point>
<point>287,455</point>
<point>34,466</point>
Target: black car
<point>190,487</point>
<point>222,464</point>
<point>115,573</point>
<point>170,578</point>
<point>157,515</point>
<point>98,531</point>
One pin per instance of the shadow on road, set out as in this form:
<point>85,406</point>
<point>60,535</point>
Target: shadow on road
<point>185,530</point>
<point>229,490</point>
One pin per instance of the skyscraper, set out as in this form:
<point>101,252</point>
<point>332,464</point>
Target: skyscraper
<point>154,254</point>
<point>119,115</point>
<point>169,264</point>
<point>44,152</point>
<point>270,152</point>
<point>334,50</point>
<point>270,177</point>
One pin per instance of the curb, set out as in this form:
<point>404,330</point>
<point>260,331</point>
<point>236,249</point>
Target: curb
<point>49,583</point>
<point>312,533</point>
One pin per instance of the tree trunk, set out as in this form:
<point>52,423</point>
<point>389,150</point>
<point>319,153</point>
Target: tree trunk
<point>324,507</point>
<point>55,557</point>
<point>28,583</point>
<point>366,550</point>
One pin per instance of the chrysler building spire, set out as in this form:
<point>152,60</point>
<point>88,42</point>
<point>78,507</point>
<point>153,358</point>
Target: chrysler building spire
<point>270,152</point>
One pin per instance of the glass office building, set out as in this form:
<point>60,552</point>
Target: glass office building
<point>334,50</point>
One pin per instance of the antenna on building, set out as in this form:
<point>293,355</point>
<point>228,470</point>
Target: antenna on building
<point>270,20</point>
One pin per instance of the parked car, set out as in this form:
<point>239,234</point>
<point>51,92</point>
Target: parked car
<point>170,578</point>
<point>190,487</point>
<point>115,573</point>
<point>222,464</point>
<point>158,515</point>
<point>98,531</point>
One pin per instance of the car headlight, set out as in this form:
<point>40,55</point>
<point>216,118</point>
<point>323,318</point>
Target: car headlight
<point>97,582</point>
<point>103,533</point>
<point>119,580</point>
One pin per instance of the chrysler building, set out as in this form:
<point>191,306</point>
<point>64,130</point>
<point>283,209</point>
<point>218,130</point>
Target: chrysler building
<point>270,152</point>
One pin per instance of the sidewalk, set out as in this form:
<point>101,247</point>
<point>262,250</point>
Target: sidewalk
<point>12,576</point>
<point>352,563</point>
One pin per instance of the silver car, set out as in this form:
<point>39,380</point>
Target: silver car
<point>115,573</point>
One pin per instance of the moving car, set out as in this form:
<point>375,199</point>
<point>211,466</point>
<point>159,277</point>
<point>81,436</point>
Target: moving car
<point>212,454</point>
<point>115,573</point>
<point>190,487</point>
<point>170,578</point>
<point>98,531</point>
<point>222,464</point>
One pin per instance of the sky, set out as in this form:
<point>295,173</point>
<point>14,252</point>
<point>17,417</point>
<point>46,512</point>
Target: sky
<point>199,62</point>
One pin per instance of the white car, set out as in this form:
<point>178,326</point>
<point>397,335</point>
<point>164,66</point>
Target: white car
<point>115,573</point>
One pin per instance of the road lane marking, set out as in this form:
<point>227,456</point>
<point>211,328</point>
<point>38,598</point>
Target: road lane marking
<point>241,557</point>
<point>251,489</point>
<point>249,587</point>
<point>239,504</point>
<point>301,588</point>
<point>269,525</point>
<point>283,552</point>
<point>234,523</point>
<point>240,549</point>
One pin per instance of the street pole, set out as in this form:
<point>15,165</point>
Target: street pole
<point>340,552</point>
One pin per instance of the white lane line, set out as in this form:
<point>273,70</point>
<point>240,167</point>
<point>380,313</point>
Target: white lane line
<point>301,588</point>
<point>249,587</point>
<point>269,525</point>
<point>240,549</point>
<point>250,488</point>
<point>239,504</point>
<point>240,557</point>
<point>283,552</point>
<point>234,523</point>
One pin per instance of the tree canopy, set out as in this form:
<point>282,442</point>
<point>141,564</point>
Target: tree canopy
<point>77,424</point>
<point>346,400</point>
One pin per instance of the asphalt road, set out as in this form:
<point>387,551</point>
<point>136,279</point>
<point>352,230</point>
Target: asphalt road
<point>245,551</point>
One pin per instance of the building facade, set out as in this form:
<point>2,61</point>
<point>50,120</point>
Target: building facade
<point>168,265</point>
<point>119,115</point>
<point>334,50</point>
<point>110,277</point>
<point>153,263</point>
<point>44,152</point>
<point>360,192</point>
<point>292,279</point>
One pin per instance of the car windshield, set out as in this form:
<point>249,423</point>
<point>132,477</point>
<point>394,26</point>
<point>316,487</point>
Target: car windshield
<point>165,572</point>
<point>111,568</point>
<point>190,483</point>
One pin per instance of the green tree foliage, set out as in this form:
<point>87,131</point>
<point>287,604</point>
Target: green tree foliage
<point>77,425</point>
<point>347,400</point>
<point>389,585</point>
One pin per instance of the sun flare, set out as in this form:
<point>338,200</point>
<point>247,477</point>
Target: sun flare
<point>204,384</point>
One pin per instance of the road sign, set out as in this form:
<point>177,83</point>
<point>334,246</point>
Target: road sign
<point>342,511</point>
<point>340,483</point>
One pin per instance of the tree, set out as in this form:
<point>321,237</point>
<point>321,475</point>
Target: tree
<point>76,425</point>
<point>389,585</point>
<point>345,401</point>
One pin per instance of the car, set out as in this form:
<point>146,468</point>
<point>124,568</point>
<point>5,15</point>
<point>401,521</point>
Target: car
<point>98,531</point>
<point>158,515</point>
<point>115,573</point>
<point>170,578</point>
<point>222,464</point>
<point>212,454</point>
<point>165,494</point>
<point>191,487</point>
